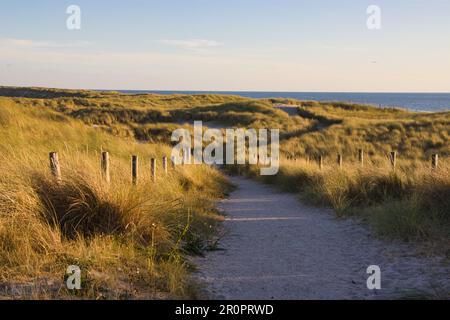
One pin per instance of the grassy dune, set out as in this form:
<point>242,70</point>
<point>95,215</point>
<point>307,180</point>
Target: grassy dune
<point>345,128</point>
<point>151,117</point>
<point>130,242</point>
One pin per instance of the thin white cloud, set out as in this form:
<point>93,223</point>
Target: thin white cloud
<point>26,43</point>
<point>197,45</point>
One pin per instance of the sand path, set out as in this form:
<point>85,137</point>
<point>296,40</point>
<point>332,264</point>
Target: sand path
<point>278,248</point>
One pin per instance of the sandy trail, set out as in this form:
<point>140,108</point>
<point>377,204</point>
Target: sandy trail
<point>289,109</point>
<point>278,248</point>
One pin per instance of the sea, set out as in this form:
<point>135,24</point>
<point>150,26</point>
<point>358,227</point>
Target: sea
<point>430,102</point>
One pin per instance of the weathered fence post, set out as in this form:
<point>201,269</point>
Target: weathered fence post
<point>434,161</point>
<point>105,166</point>
<point>308,159</point>
<point>54,166</point>
<point>164,163</point>
<point>134,170</point>
<point>361,157</point>
<point>153,168</point>
<point>393,159</point>
<point>320,162</point>
<point>224,145</point>
<point>339,160</point>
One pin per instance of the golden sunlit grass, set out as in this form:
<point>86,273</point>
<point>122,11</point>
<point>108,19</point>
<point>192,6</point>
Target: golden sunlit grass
<point>346,128</point>
<point>129,241</point>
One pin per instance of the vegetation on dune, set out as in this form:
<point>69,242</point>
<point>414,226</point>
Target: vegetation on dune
<point>129,241</point>
<point>151,117</point>
<point>128,238</point>
<point>346,128</point>
<point>141,116</point>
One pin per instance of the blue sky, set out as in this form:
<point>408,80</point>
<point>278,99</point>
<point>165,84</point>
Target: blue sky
<point>277,45</point>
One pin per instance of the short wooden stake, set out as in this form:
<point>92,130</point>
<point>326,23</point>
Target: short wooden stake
<point>164,163</point>
<point>320,162</point>
<point>134,170</point>
<point>339,161</point>
<point>393,159</point>
<point>434,161</point>
<point>153,169</point>
<point>361,157</point>
<point>54,166</point>
<point>105,166</point>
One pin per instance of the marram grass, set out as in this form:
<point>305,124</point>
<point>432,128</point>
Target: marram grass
<point>129,241</point>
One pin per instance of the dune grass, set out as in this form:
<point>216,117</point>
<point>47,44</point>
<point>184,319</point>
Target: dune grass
<point>130,242</point>
<point>152,117</point>
<point>411,203</point>
<point>346,128</point>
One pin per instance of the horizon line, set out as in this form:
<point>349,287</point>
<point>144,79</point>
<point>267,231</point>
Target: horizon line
<point>222,91</point>
<point>269,91</point>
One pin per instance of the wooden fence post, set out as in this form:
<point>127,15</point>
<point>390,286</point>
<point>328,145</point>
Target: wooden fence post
<point>164,163</point>
<point>224,146</point>
<point>339,160</point>
<point>54,166</point>
<point>320,162</point>
<point>153,168</point>
<point>434,161</point>
<point>134,170</point>
<point>105,166</point>
<point>361,157</point>
<point>393,159</point>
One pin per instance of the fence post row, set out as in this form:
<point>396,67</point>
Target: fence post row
<point>55,167</point>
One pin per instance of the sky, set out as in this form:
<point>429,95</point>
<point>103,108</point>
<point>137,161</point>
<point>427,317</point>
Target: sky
<point>227,45</point>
